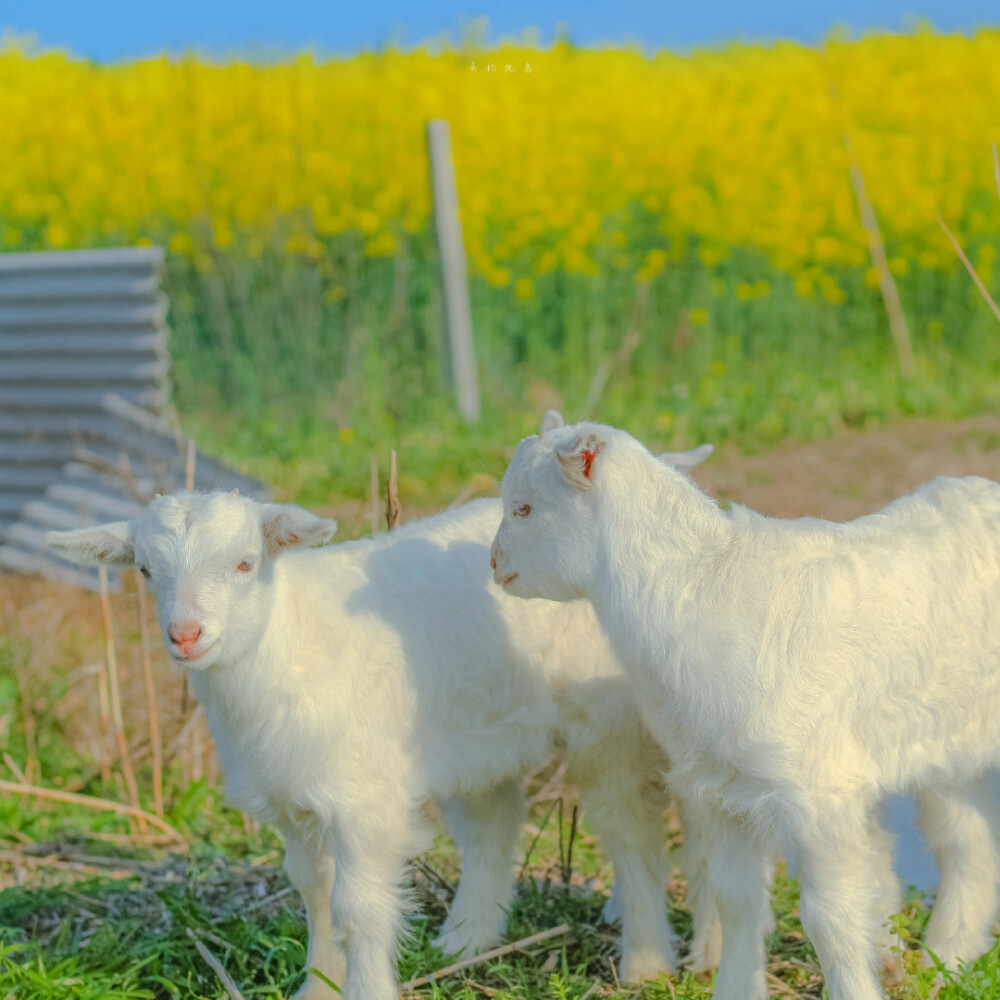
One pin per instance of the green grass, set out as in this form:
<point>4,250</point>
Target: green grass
<point>302,369</point>
<point>128,937</point>
<point>103,921</point>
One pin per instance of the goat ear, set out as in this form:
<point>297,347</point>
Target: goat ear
<point>579,462</point>
<point>105,543</point>
<point>284,525</point>
<point>687,459</point>
<point>552,420</point>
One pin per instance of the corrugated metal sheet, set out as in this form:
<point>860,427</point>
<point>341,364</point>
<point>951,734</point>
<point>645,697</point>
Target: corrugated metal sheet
<point>84,394</point>
<point>74,326</point>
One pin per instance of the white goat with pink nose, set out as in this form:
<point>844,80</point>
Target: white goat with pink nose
<point>347,685</point>
<point>796,673</point>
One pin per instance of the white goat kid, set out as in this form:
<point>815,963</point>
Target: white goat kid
<point>345,686</point>
<point>796,672</point>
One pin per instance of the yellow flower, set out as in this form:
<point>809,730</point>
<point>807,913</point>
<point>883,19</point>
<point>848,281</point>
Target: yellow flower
<point>547,261</point>
<point>383,245</point>
<point>652,265</point>
<point>831,291</point>
<point>154,148</point>
<point>827,249</point>
<point>524,288</point>
<point>368,221</point>
<point>181,243</point>
<point>56,235</point>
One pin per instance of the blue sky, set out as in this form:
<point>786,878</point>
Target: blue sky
<point>118,29</point>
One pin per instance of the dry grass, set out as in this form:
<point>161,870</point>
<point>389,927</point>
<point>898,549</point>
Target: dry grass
<point>55,634</point>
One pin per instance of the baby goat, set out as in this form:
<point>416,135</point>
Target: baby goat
<point>796,672</point>
<point>347,685</point>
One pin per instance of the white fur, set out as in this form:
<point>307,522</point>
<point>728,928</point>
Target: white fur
<point>796,672</point>
<point>347,685</point>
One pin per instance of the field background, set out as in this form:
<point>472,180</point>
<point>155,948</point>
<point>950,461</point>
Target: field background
<point>685,225</point>
<point>703,202</point>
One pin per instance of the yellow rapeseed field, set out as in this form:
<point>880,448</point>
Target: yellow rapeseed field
<point>560,153</point>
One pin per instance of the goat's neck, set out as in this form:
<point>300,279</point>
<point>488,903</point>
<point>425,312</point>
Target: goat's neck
<point>659,536</point>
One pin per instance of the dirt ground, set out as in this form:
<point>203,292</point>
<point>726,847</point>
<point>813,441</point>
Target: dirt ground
<point>854,473</point>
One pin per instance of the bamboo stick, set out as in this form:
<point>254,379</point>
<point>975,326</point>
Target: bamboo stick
<point>90,802</point>
<point>486,956</point>
<point>115,692</point>
<point>192,455</point>
<point>630,341</point>
<point>104,710</point>
<point>29,724</point>
<point>155,736</point>
<point>216,966</point>
<point>392,508</point>
<point>197,753</point>
<point>374,491</point>
<point>886,283</point>
<point>22,778</point>
<point>972,271</point>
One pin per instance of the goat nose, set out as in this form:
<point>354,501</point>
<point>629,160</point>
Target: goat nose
<point>493,554</point>
<point>493,562</point>
<point>184,633</point>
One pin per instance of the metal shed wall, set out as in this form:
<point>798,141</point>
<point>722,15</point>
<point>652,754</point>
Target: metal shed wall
<point>74,326</point>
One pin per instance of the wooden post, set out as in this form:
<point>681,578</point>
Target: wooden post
<point>890,294</point>
<point>457,312</point>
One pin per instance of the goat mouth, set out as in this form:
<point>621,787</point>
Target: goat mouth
<point>507,579</point>
<point>192,657</point>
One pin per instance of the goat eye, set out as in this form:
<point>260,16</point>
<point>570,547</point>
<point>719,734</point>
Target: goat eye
<point>245,566</point>
<point>145,572</point>
<point>522,509</point>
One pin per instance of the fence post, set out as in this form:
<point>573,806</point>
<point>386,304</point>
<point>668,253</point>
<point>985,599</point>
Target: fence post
<point>457,313</point>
